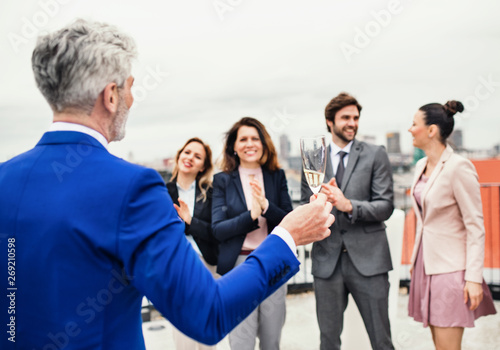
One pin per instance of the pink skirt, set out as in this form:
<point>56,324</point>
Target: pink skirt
<point>438,300</point>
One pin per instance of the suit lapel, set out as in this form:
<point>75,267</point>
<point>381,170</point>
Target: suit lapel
<point>435,173</point>
<point>172,190</point>
<point>329,165</point>
<point>351,163</point>
<point>418,174</point>
<point>239,188</point>
<point>198,205</point>
<point>268,184</point>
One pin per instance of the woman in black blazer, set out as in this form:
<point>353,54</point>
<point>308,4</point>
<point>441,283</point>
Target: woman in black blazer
<point>191,190</point>
<point>250,198</point>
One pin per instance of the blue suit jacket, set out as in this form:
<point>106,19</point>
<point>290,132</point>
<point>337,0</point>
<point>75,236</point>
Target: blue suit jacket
<point>231,219</point>
<point>92,234</point>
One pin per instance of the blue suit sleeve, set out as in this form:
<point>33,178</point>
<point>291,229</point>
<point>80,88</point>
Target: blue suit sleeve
<point>163,266</point>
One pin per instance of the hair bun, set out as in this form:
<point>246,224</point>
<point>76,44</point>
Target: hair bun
<point>452,107</point>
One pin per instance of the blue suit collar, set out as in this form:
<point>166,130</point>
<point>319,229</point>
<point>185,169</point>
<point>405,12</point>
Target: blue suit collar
<point>68,137</point>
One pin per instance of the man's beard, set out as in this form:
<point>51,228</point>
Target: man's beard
<point>120,121</point>
<point>340,135</point>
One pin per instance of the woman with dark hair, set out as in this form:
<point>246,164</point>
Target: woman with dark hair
<point>191,190</point>
<point>250,199</point>
<point>447,291</point>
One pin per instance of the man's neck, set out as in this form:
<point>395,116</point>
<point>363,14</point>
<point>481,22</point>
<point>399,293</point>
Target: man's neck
<point>339,142</point>
<point>83,119</point>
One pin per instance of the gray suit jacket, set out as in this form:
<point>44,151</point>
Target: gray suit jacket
<point>368,184</point>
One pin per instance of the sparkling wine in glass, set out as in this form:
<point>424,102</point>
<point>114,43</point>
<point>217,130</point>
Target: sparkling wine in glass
<point>313,150</point>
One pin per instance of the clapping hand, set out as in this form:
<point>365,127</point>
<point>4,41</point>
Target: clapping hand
<point>336,196</point>
<point>258,194</point>
<point>259,201</point>
<point>183,211</point>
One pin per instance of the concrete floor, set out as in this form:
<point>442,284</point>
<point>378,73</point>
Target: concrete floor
<point>301,330</point>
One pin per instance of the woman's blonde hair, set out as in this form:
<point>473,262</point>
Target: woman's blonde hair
<point>204,177</point>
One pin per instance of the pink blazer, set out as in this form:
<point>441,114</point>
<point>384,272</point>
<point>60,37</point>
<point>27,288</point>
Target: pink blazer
<point>450,226</point>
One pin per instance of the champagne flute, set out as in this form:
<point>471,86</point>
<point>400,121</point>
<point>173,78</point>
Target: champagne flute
<point>313,151</point>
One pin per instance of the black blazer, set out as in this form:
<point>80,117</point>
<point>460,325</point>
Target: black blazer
<point>231,220</point>
<point>200,227</point>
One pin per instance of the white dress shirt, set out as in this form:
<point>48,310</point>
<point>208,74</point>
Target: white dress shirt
<point>64,126</point>
<point>335,158</point>
<point>188,196</point>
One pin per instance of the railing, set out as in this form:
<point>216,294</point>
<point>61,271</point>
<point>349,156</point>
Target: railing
<point>490,194</point>
<point>303,280</point>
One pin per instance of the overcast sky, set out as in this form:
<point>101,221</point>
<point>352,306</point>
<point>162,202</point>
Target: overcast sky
<point>204,64</point>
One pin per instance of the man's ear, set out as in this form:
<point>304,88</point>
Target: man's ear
<point>110,98</point>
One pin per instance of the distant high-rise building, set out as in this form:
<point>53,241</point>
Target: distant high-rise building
<point>393,145</point>
<point>284,147</point>
<point>496,150</point>
<point>295,163</point>
<point>456,139</point>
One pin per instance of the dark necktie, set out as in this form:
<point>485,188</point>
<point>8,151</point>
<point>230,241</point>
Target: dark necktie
<point>340,169</point>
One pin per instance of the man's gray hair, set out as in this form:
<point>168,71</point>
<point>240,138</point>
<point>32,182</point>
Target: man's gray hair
<point>73,65</point>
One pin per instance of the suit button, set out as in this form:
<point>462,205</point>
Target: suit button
<point>343,231</point>
<point>273,281</point>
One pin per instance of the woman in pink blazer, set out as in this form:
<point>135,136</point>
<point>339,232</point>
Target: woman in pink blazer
<point>447,290</point>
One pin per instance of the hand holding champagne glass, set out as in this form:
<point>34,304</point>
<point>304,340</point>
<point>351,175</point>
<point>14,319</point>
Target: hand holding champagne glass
<point>313,150</point>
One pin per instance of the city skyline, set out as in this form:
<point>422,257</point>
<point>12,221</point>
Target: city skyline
<point>202,66</point>
<point>288,155</point>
